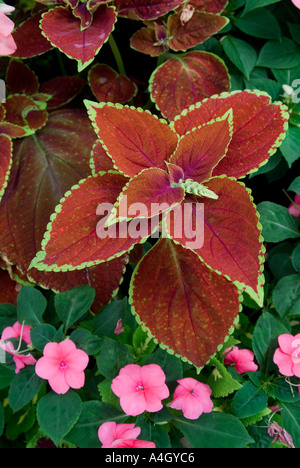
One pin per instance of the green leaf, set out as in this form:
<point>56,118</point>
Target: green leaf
<point>153,433</point>
<point>220,381</point>
<point>57,414</point>
<point>143,345</point>
<point>8,315</point>
<point>265,340</point>
<point>290,145</point>
<point>6,376</point>
<point>86,340</point>
<point>285,392</point>
<point>278,224</point>
<point>280,259</point>
<point>106,320</point>
<point>31,305</point>
<point>214,430</point>
<point>279,54</point>
<point>112,357</point>
<point>249,400</point>
<point>286,295</point>
<point>94,413</point>
<point>296,258</point>
<point>273,88</point>
<point>259,23</point>
<point>41,335</point>
<point>24,387</point>
<point>73,304</point>
<point>241,54</point>
<point>170,364</point>
<point>253,4</point>
<point>290,416</point>
<point>295,186</point>
<point>1,420</point>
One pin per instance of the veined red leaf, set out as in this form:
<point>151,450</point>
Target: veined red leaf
<point>25,112</point>
<point>258,128</point>
<point>20,79</point>
<point>62,90</point>
<point>145,40</point>
<point>73,239</point>
<point>198,29</point>
<point>175,172</point>
<point>9,289</point>
<point>109,86</point>
<point>29,38</point>
<point>183,81</point>
<point>146,9</point>
<point>200,150</point>
<point>63,30</point>
<point>134,139</point>
<point>233,245</point>
<point>100,161</point>
<point>5,162</point>
<point>146,195</point>
<point>210,6</point>
<point>183,305</point>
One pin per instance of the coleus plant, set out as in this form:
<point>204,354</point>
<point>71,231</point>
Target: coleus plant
<point>186,298</point>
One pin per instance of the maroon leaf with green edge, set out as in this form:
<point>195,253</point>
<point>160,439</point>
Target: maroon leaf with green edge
<point>233,245</point>
<point>77,238</point>
<point>145,9</point>
<point>187,308</point>
<point>109,86</point>
<point>210,6</point>
<point>100,161</point>
<point>29,38</point>
<point>45,166</point>
<point>146,195</point>
<point>176,173</point>
<point>20,79</point>
<point>5,161</point>
<point>258,128</point>
<point>145,40</point>
<point>183,81</point>
<point>63,30</point>
<point>9,289</point>
<point>199,151</point>
<point>23,111</point>
<point>134,139</point>
<point>62,90</point>
<point>198,29</point>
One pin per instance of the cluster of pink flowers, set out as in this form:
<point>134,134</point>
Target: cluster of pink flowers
<point>7,43</point>
<point>287,356</point>
<point>23,333</point>
<point>241,359</point>
<point>113,435</point>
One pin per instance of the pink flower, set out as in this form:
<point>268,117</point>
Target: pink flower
<point>243,359</point>
<point>16,331</point>
<point>140,388</point>
<point>287,356</point>
<point>295,210</point>
<point>113,435</point>
<point>7,43</point>
<point>110,431</point>
<point>192,397</point>
<point>296,3</point>
<point>62,365</point>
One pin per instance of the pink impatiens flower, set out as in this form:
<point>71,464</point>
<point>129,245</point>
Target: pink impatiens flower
<point>62,365</point>
<point>140,388</point>
<point>113,435</point>
<point>22,332</point>
<point>7,43</point>
<point>296,3</point>
<point>192,397</point>
<point>294,208</point>
<point>242,359</point>
<point>287,356</point>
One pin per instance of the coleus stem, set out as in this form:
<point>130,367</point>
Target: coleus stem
<point>116,52</point>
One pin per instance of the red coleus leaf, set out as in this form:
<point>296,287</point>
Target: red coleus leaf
<point>100,161</point>
<point>146,40</point>
<point>45,166</point>
<point>232,235</point>
<point>183,81</point>
<point>109,86</point>
<point>134,139</point>
<point>258,128</point>
<point>210,6</point>
<point>198,29</point>
<point>62,90</point>
<point>5,161</point>
<point>23,111</point>
<point>201,150</point>
<point>185,306</point>
<point>29,38</point>
<point>146,195</point>
<point>20,79</point>
<point>146,9</point>
<point>63,30</point>
<point>9,289</point>
<point>77,238</point>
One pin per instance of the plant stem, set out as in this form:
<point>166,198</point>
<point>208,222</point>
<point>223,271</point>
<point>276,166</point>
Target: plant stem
<point>117,55</point>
